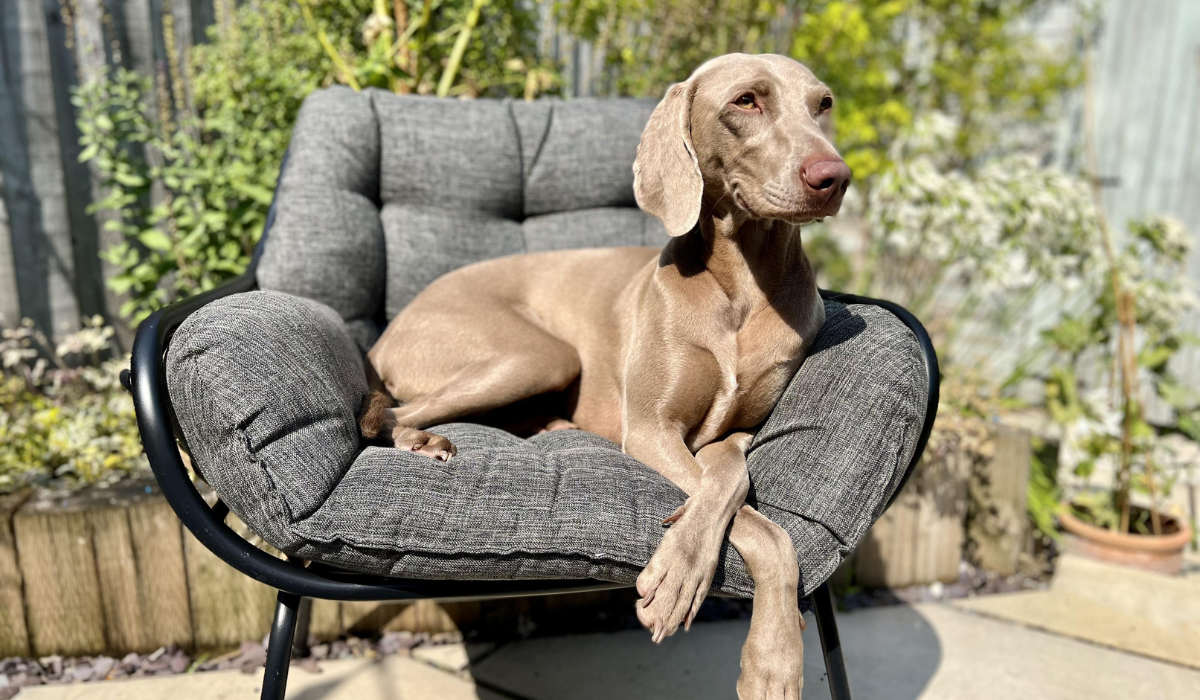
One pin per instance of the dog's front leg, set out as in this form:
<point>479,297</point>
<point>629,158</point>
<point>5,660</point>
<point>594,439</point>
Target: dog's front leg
<point>676,581</point>
<point>773,656</point>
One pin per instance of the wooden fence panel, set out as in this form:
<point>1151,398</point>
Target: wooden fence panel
<point>65,613</point>
<point>14,635</point>
<point>87,286</point>
<point>103,571</point>
<point>20,199</point>
<point>162,575</point>
<point>227,606</point>
<point>920,538</point>
<point>10,302</point>
<point>91,59</point>
<point>118,577</point>
<point>55,250</point>
<point>997,520</point>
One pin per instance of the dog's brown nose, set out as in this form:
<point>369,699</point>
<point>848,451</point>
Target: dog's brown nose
<point>828,176</point>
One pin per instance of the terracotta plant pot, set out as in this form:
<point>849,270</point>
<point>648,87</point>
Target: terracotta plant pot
<point>1158,553</point>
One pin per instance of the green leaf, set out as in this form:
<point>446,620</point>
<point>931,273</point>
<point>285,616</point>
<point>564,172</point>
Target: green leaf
<point>155,239</point>
<point>258,193</point>
<point>89,153</point>
<point>129,179</point>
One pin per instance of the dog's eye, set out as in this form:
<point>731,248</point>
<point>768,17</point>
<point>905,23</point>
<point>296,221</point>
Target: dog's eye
<point>746,101</point>
<point>826,104</point>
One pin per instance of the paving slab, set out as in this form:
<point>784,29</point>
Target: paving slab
<point>927,651</point>
<point>1136,611</point>
<point>454,658</point>
<point>389,678</point>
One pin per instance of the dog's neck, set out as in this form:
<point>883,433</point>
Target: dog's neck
<point>751,259</point>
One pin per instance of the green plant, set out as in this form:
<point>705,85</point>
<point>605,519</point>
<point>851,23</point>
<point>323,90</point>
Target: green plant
<point>64,418</point>
<point>1131,329</point>
<point>1043,495</point>
<point>187,160</point>
<point>885,60</point>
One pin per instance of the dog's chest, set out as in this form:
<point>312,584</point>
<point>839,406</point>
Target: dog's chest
<point>757,363</point>
<point>768,356</point>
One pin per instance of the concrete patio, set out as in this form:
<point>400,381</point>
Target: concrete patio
<point>928,651</point>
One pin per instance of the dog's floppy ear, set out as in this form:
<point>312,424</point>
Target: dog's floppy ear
<point>666,175</point>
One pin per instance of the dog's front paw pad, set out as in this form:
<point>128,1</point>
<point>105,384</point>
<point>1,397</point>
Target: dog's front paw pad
<point>424,443</point>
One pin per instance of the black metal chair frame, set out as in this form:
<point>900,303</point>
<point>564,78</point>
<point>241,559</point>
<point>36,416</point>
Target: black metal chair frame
<point>298,584</point>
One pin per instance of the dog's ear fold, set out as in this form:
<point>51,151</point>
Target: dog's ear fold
<point>666,175</point>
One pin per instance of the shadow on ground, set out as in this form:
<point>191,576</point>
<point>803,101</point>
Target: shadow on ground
<point>900,648</point>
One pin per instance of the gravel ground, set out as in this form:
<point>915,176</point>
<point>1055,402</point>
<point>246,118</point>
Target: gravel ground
<point>16,672</point>
<point>971,582</point>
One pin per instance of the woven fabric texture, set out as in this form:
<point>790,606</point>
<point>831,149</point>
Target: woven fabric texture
<point>266,387</point>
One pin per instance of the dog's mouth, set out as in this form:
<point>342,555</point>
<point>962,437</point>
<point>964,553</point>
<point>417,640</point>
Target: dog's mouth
<point>791,209</point>
<point>741,202</point>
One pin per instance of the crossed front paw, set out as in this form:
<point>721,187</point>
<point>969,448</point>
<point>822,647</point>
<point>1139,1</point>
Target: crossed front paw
<point>676,581</point>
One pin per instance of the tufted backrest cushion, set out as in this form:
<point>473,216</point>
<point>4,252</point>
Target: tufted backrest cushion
<point>327,240</point>
<point>384,193</point>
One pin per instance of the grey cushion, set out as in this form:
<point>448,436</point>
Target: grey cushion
<point>431,185</point>
<point>327,209</point>
<point>266,386</point>
<point>579,154</point>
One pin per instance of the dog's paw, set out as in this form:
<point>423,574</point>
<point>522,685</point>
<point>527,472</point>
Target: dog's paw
<point>424,443</point>
<point>676,581</point>
<point>773,656</point>
<point>557,424</point>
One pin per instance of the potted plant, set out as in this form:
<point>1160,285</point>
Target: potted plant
<point>1125,337</point>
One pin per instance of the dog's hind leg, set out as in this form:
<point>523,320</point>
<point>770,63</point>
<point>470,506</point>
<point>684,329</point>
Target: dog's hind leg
<point>537,364</point>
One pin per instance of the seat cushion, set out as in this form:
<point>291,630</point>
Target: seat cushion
<point>266,387</point>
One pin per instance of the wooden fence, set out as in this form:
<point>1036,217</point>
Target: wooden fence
<point>113,571</point>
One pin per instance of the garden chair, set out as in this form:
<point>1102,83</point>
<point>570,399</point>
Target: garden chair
<point>379,195</point>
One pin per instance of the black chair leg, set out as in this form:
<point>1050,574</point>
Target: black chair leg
<point>831,644</point>
<point>279,649</point>
<point>300,639</point>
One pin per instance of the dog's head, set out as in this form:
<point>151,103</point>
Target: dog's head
<point>747,130</point>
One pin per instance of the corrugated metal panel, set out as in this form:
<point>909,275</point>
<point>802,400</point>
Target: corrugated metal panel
<point>1148,122</point>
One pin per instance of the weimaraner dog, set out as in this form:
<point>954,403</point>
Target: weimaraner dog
<point>674,353</point>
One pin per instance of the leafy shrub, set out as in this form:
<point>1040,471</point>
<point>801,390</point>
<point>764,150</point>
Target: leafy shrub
<point>885,60</point>
<point>64,417</point>
<point>188,175</point>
